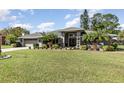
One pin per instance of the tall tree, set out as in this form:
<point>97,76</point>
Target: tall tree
<point>106,22</point>
<point>110,21</point>
<point>12,33</point>
<point>17,31</point>
<point>96,22</point>
<point>84,20</point>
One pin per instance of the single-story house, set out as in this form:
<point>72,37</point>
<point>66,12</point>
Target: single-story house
<point>29,40</point>
<point>67,37</point>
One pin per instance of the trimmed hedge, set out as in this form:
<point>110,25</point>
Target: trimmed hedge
<point>36,46</point>
<point>108,48</point>
<point>44,46</point>
<point>83,47</point>
<point>55,46</point>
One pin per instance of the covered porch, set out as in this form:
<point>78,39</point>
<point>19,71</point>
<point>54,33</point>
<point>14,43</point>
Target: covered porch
<point>72,37</point>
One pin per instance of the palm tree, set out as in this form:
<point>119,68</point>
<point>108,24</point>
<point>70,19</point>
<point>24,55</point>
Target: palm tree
<point>95,38</point>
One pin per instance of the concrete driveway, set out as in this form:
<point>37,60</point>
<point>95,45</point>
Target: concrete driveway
<point>14,49</point>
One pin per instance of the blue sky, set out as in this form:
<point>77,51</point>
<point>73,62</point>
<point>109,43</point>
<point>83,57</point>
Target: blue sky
<point>40,20</point>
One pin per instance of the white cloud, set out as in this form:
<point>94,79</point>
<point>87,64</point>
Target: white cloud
<point>67,16</point>
<point>13,18</point>
<point>24,10</point>
<point>31,11</point>
<point>25,26</point>
<point>91,12</point>
<point>76,20</point>
<point>73,22</point>
<point>20,15</point>
<point>5,16</point>
<point>1,28</point>
<point>48,26</point>
<point>121,27</point>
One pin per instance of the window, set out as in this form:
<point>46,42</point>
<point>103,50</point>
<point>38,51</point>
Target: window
<point>72,35</point>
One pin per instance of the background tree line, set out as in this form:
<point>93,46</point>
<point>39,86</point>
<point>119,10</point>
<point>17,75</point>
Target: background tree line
<point>104,22</point>
<point>101,26</point>
<point>12,33</point>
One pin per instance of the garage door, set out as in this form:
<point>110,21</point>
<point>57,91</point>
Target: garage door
<point>30,41</point>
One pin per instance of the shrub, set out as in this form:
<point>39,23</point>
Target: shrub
<point>13,45</point>
<point>108,48</point>
<point>36,46</point>
<point>11,38</point>
<point>83,47</point>
<point>44,46</point>
<point>29,47</point>
<point>115,45</point>
<point>18,44</point>
<point>55,46</point>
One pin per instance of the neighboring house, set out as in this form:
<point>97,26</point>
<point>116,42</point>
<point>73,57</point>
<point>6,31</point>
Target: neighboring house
<point>113,37</point>
<point>70,37</point>
<point>29,40</point>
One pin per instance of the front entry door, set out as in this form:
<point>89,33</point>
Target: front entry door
<point>72,42</point>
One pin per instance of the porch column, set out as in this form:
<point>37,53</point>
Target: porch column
<point>63,39</point>
<point>23,42</point>
<point>78,40</point>
<point>68,40</point>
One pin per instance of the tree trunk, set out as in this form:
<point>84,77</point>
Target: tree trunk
<point>0,50</point>
<point>50,44</point>
<point>94,46</point>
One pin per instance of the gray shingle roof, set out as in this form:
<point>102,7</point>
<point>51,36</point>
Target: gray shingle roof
<point>70,29</point>
<point>32,36</point>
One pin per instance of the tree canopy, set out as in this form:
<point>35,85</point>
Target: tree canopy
<point>11,38</point>
<point>100,22</point>
<point>17,31</point>
<point>121,35</point>
<point>105,22</point>
<point>49,37</point>
<point>84,20</point>
<point>95,37</point>
<point>12,33</point>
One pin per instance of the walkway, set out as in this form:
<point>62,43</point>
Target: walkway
<point>14,49</point>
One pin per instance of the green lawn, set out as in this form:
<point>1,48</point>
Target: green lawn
<point>62,66</point>
<point>6,46</point>
<point>121,47</point>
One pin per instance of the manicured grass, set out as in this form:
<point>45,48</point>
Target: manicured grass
<point>62,66</point>
<point>6,46</point>
<point>121,47</point>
